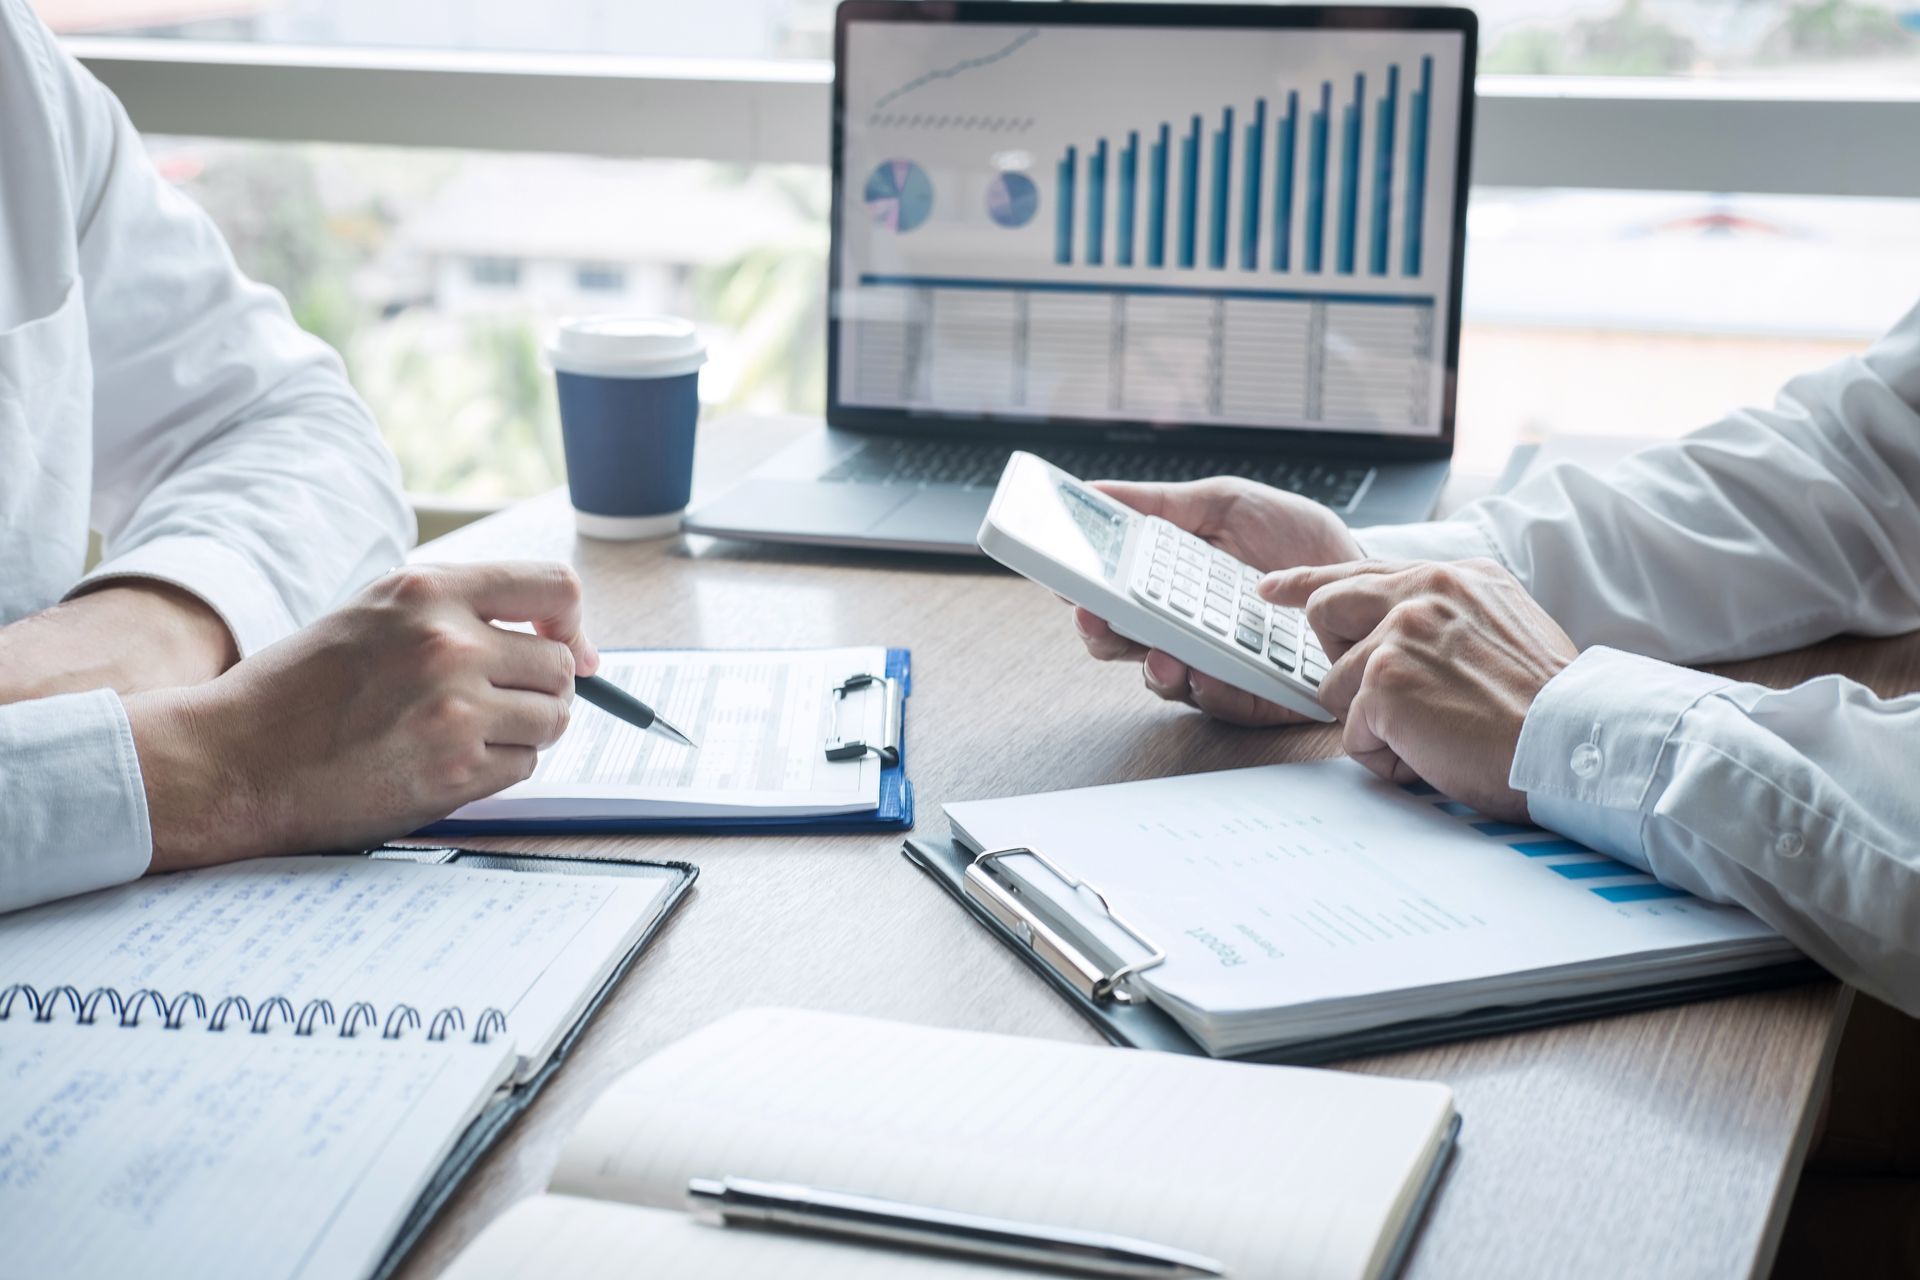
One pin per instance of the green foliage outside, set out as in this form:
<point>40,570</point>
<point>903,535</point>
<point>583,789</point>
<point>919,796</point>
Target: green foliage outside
<point>1627,42</point>
<point>1632,42</point>
<point>1836,29</point>
<point>464,401</point>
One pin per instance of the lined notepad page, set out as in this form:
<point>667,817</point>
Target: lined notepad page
<point>595,1240</point>
<point>761,720</point>
<point>531,944</point>
<point>1276,1171</point>
<point>156,1153</point>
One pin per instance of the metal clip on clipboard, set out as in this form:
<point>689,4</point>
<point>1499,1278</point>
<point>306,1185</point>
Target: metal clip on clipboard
<point>888,748</point>
<point>1002,896</point>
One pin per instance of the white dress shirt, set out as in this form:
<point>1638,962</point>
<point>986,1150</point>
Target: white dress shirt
<point>1768,530</point>
<point>150,391</point>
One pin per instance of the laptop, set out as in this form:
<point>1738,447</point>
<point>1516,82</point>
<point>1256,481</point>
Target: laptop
<point>1143,241</point>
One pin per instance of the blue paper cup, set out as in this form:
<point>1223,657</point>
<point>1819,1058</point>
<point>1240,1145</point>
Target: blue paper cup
<point>629,402</point>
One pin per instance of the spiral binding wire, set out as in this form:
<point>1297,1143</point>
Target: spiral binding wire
<point>313,1018</point>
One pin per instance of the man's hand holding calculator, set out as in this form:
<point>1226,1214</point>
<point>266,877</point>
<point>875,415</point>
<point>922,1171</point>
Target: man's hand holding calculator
<point>1432,667</point>
<point>1263,527</point>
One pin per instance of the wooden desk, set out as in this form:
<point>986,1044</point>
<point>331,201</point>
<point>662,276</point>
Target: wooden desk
<point>1659,1144</point>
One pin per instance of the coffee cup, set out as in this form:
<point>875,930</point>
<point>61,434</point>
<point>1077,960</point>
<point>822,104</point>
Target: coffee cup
<point>629,403</point>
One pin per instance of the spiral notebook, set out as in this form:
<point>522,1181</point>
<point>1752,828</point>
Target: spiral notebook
<point>790,740</point>
<point>283,1067</point>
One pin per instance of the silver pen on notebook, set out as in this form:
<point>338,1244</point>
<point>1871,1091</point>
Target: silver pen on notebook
<point>744,1201</point>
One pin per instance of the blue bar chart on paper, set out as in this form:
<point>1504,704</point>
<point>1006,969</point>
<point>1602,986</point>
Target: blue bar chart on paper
<point>1608,880</point>
<point>1237,227</point>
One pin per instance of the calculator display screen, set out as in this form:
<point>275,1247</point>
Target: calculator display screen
<point>1069,522</point>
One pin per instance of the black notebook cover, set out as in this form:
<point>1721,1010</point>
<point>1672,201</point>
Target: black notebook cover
<point>489,1124</point>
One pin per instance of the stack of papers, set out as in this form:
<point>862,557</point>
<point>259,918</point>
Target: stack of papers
<point>1298,902</point>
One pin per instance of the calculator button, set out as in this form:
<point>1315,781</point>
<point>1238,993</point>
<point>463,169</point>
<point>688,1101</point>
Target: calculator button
<point>1216,620</point>
<point>1183,603</point>
<point>1157,588</point>
<point>1312,671</point>
<point>1248,638</point>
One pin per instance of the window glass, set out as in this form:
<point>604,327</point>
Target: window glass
<point>1821,39</point>
<point>600,277</point>
<point>1586,311</point>
<point>437,275</point>
<point>493,273</point>
<point>1642,313</point>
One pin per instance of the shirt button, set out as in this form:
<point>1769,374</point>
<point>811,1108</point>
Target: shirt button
<point>1586,760</point>
<point>1789,844</point>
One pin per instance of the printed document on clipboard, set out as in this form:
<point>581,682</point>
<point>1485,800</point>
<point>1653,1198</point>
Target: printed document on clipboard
<point>1310,910</point>
<point>787,738</point>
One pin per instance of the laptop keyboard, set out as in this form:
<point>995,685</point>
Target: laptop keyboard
<point>972,464</point>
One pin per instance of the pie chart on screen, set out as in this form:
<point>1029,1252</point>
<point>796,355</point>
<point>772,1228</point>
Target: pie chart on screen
<point>899,195</point>
<point>1012,200</point>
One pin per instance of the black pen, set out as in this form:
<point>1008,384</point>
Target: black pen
<point>615,701</point>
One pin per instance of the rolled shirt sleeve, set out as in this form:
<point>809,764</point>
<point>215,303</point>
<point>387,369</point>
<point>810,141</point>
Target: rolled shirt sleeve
<point>75,816</point>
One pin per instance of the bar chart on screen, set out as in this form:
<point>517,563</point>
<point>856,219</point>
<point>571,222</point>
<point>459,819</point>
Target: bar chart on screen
<point>1264,214</point>
<point>1238,227</point>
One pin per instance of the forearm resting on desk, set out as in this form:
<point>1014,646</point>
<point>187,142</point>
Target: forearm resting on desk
<point>128,636</point>
<point>388,713</point>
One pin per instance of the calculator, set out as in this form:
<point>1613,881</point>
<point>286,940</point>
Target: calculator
<point>1153,583</point>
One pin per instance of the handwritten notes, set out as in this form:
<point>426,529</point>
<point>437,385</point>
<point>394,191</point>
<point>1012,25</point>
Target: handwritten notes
<point>154,1152</point>
<point>532,944</point>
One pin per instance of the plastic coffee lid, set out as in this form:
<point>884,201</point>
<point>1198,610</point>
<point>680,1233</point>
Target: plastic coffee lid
<point>627,346</point>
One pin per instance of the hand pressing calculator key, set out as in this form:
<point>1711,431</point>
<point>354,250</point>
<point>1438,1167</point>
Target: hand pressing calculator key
<point>1152,583</point>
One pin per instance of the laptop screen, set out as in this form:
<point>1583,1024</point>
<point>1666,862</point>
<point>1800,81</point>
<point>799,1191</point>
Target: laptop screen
<point>1170,225</point>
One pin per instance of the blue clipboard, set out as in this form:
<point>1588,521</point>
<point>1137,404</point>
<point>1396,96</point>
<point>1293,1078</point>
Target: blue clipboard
<point>895,812</point>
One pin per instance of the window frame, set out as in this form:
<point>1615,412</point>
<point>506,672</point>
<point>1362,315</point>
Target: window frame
<point>1773,137</point>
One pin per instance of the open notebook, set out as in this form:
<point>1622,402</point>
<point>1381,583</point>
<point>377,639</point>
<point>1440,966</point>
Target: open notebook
<point>314,1049</point>
<point>1275,1172</point>
<point>1312,911</point>
<point>763,721</point>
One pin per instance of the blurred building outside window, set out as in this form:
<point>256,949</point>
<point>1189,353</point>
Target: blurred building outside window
<point>436,273</point>
<point>598,277</point>
<point>1804,39</point>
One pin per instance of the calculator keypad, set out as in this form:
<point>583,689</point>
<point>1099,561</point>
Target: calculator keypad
<point>1209,591</point>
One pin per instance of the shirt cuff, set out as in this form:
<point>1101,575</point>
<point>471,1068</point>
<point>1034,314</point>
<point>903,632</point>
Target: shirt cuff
<point>75,817</point>
<point>230,584</point>
<point>1591,745</point>
<point>1434,540</point>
